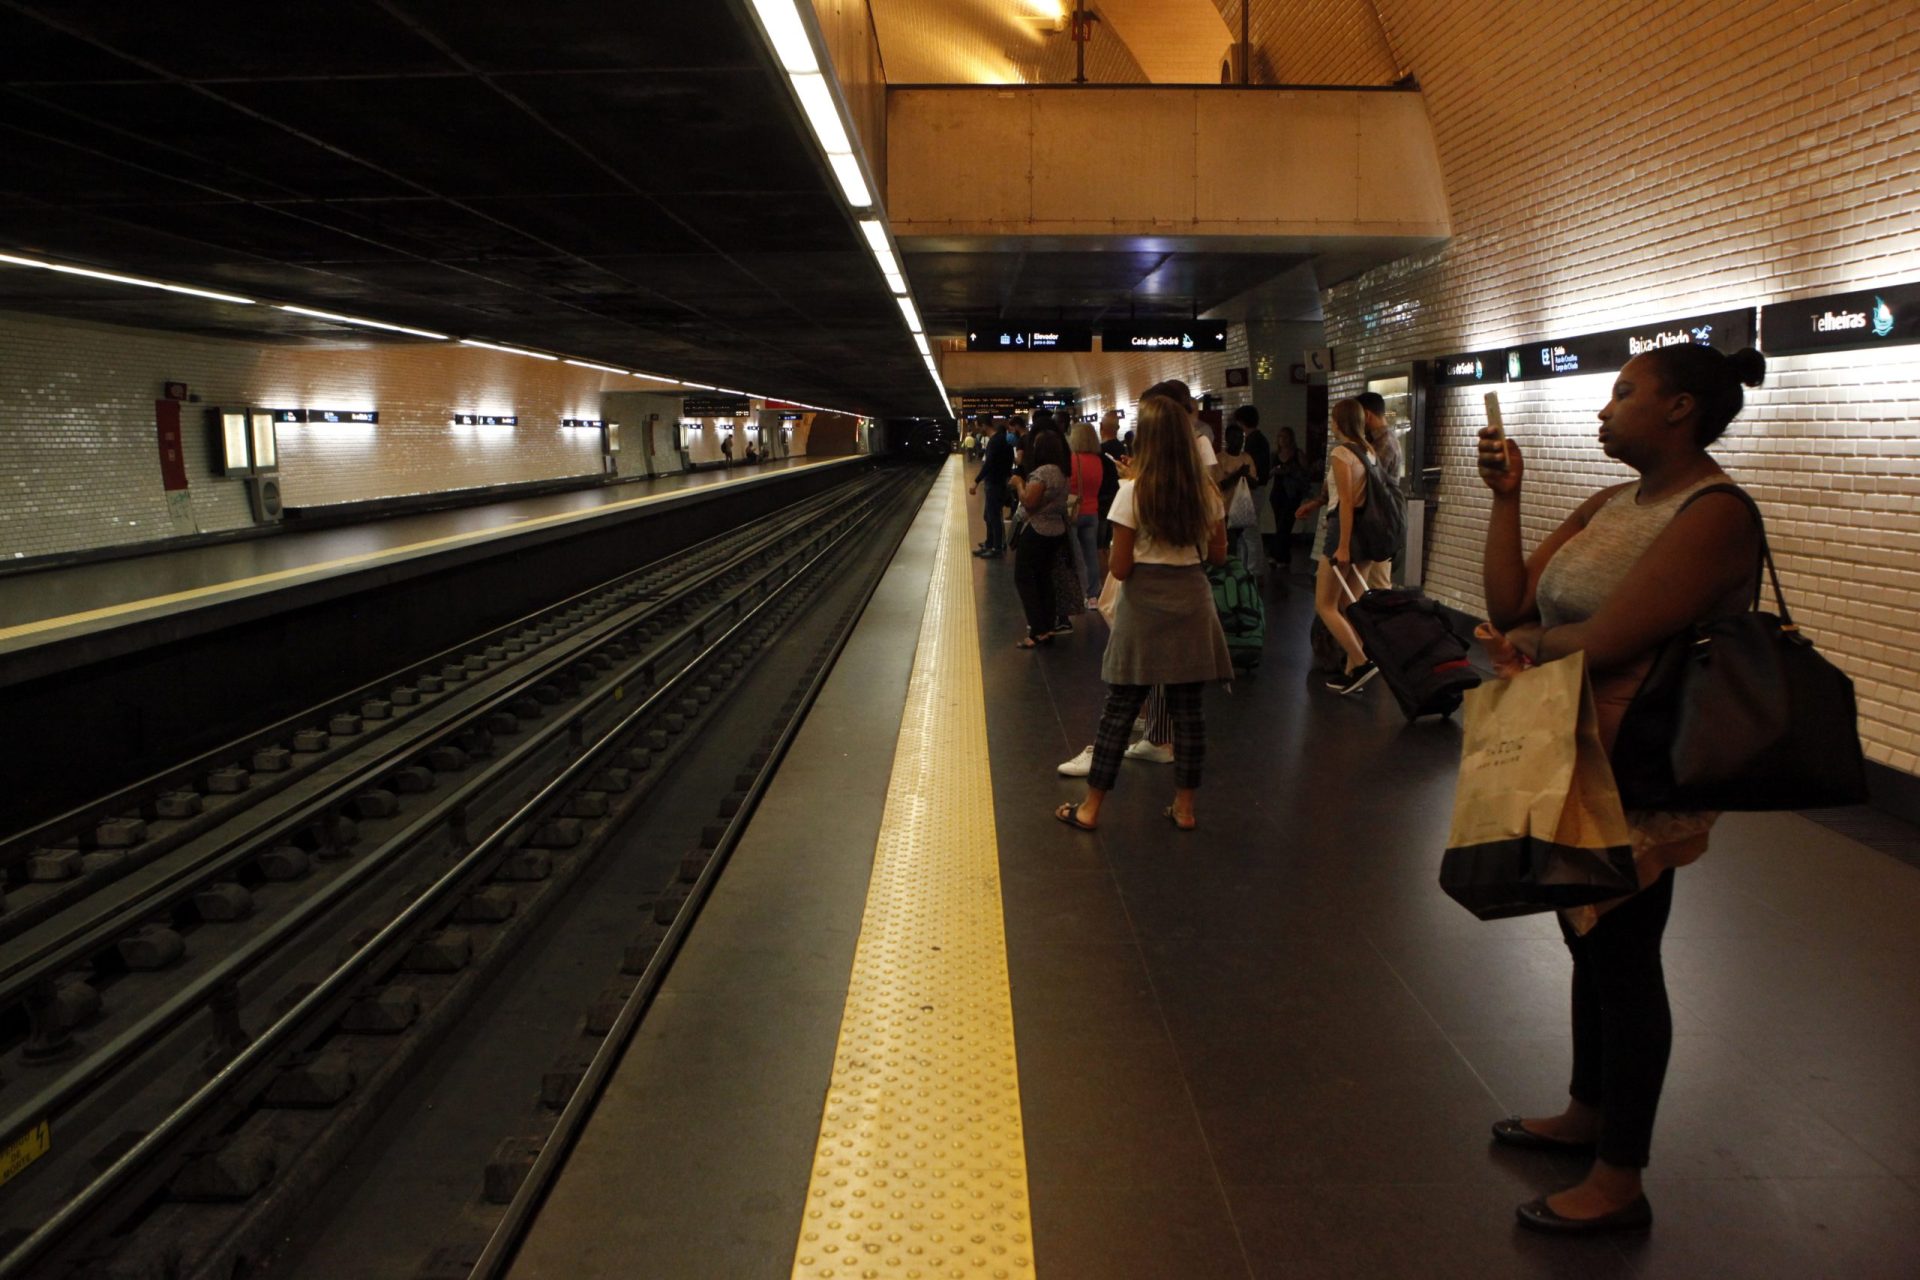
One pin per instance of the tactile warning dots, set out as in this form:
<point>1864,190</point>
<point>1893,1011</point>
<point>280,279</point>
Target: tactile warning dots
<point>921,1169</point>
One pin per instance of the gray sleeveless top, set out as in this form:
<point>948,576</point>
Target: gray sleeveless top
<point>1592,563</point>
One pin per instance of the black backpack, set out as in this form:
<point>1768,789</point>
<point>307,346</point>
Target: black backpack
<point>1380,525</point>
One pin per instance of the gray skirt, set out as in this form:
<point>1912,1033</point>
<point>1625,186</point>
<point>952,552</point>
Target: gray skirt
<point>1165,630</point>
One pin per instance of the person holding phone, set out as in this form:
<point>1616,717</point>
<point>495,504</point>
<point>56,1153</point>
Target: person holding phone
<point>1634,565</point>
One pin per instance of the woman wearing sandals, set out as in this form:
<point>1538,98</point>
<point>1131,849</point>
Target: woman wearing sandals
<point>1043,540</point>
<point>1633,565</point>
<point>1165,518</point>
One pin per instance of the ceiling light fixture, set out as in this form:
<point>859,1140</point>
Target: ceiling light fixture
<point>512,351</point>
<point>117,278</point>
<point>876,233</point>
<point>895,281</point>
<point>823,113</point>
<point>908,310</point>
<point>920,341</point>
<point>358,320</point>
<point>787,34</point>
<point>588,364</point>
<point>853,183</point>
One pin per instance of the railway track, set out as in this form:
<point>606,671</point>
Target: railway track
<point>208,1003</point>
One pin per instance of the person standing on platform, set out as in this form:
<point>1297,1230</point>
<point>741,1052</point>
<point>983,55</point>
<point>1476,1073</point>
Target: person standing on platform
<point>1633,566</point>
<point>1349,455</point>
<point>1088,479</point>
<point>1112,452</point>
<point>726,448</point>
<point>1166,518</point>
<point>1248,419</point>
<point>1292,482</point>
<point>1238,468</point>
<point>1043,539</point>
<point>995,468</point>
<point>1156,744</point>
<point>1386,446</point>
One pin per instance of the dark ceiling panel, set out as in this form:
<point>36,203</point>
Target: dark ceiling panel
<point>594,226</point>
<point>574,35</point>
<point>688,130</point>
<point>217,39</point>
<point>155,120</point>
<point>636,186</point>
<point>32,51</point>
<point>455,137</point>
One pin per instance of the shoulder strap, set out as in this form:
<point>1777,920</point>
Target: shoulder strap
<point>1766,551</point>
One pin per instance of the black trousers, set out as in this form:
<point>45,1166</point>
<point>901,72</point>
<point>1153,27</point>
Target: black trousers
<point>1033,557</point>
<point>993,505</point>
<point>1622,1024</point>
<point>1116,725</point>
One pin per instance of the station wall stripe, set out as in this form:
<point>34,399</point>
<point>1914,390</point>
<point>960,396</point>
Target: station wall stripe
<point>921,1169</point>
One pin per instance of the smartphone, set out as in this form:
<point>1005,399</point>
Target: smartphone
<point>1499,426</point>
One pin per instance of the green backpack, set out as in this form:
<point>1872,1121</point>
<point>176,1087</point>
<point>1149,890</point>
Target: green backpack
<point>1243,614</point>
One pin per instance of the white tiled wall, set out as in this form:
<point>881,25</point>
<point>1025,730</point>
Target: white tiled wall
<point>79,462</point>
<point>1612,162</point>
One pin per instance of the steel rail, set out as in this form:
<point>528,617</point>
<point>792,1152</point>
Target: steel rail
<point>340,986</point>
<point>511,1231</point>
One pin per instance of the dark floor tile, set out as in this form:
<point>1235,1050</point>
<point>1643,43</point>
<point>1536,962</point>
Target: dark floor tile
<point>1097,1113</point>
<point>1342,1111</point>
<point>1781,1229</point>
<point>1152,1233</point>
<point>1747,986</point>
<point>1300,987</point>
<point>1082,991</point>
<point>1063,906</point>
<point>1372,1231</point>
<point>1865,1090</point>
<point>1491,987</point>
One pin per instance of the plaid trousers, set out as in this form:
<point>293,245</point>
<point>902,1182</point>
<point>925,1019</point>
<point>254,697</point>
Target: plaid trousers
<point>1116,726</point>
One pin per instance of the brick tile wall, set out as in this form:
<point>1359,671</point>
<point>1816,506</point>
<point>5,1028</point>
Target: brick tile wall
<point>1612,162</point>
<point>79,465</point>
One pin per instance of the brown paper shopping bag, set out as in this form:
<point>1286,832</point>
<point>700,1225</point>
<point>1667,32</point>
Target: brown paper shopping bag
<point>1537,822</point>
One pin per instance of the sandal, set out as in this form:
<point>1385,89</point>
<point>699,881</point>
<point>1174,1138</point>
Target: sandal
<point>1069,813</point>
<point>1175,820</point>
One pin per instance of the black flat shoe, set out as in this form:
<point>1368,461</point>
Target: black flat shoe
<point>1515,1134</point>
<point>1536,1215</point>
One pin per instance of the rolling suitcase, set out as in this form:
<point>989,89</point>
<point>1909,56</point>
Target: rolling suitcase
<point>1421,656</point>
<point>1243,614</point>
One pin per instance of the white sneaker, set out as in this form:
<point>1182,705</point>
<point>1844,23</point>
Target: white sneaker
<point>1144,750</point>
<point>1078,767</point>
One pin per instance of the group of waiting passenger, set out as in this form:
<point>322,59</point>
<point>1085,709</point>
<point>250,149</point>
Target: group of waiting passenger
<point>1632,566</point>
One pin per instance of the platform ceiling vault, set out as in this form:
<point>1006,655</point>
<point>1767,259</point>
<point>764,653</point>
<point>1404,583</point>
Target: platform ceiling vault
<point>623,183</point>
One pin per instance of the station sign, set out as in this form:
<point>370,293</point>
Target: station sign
<point>716,407</point>
<point>591,424</point>
<point>1161,337</point>
<point>1468,368</point>
<point>789,417</point>
<point>486,420</point>
<point>1843,321</point>
<point>1006,338</point>
<point>1608,352</point>
<point>362,417</point>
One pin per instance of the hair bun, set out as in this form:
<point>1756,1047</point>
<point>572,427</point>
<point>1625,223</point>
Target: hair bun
<point>1749,366</point>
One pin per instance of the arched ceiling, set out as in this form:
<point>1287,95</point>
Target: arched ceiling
<point>1135,41</point>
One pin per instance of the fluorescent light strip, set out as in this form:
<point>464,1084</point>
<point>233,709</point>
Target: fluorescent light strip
<point>908,310</point>
<point>895,281</point>
<point>117,278</point>
<point>920,341</point>
<point>787,34</point>
<point>823,113</point>
<point>588,364</point>
<point>853,183</point>
<point>356,320</point>
<point>876,233</point>
<point>512,351</point>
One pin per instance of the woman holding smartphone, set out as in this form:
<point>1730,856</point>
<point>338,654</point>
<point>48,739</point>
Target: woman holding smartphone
<point>1166,518</point>
<point>1632,566</point>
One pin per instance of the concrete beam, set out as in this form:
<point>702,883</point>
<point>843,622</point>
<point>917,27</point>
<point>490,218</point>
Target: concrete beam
<point>1284,170</point>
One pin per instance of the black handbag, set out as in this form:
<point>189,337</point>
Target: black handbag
<point>1380,525</point>
<point>1742,713</point>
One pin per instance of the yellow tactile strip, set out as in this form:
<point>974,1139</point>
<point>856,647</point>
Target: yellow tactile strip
<point>921,1170</point>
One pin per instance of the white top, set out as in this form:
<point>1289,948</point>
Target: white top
<point>1333,484</point>
<point>1203,450</point>
<point>1145,549</point>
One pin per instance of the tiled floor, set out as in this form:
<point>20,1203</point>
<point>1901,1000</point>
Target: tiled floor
<point>1272,1048</point>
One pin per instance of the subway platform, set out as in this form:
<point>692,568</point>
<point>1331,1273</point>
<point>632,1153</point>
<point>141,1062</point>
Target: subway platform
<point>922,1029</point>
